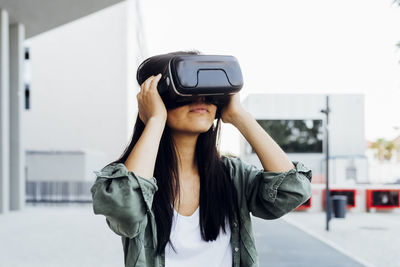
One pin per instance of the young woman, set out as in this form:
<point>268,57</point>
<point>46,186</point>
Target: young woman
<point>171,196</point>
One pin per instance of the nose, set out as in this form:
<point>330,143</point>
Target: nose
<point>201,99</point>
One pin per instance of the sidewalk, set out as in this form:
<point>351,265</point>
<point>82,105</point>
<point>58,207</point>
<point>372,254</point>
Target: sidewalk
<point>61,236</point>
<point>370,237</point>
<point>71,235</point>
<point>280,244</point>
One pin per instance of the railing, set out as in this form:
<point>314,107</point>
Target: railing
<point>58,192</point>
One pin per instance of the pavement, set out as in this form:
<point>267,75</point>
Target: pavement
<point>67,235</point>
<point>71,235</point>
<point>370,238</point>
<point>280,244</point>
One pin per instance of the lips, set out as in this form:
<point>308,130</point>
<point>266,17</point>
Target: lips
<point>199,107</point>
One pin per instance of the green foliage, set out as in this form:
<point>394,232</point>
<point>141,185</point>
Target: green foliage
<point>295,136</point>
<point>383,149</point>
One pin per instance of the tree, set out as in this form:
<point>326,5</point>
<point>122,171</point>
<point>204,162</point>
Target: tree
<point>389,147</point>
<point>383,149</point>
<point>295,136</point>
<point>379,146</point>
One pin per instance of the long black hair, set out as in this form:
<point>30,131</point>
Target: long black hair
<point>217,193</point>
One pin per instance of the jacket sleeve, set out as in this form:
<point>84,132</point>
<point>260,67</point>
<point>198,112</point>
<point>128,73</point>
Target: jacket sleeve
<point>123,198</point>
<point>270,195</point>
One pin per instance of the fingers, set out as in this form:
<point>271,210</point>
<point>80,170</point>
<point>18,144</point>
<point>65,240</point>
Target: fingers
<point>154,81</point>
<point>150,83</point>
<point>145,85</point>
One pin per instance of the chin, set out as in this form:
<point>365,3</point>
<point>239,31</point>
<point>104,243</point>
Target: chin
<point>200,129</point>
<point>191,125</point>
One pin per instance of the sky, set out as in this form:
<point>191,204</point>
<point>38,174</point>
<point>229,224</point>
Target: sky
<point>311,46</point>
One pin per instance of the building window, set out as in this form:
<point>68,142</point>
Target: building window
<point>27,96</point>
<point>295,136</point>
<point>26,53</point>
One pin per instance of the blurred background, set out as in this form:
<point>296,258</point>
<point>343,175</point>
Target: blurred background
<point>321,77</point>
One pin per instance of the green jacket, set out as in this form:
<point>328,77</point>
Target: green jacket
<point>125,199</point>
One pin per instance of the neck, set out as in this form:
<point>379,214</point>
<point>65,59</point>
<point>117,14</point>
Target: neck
<point>186,145</point>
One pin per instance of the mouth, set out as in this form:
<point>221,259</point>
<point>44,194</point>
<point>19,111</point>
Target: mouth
<point>199,109</point>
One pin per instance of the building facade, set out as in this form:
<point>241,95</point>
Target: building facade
<point>296,123</point>
<point>76,109</point>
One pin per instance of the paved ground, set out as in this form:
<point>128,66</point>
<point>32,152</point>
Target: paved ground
<point>373,238</point>
<point>58,236</point>
<point>71,235</point>
<point>280,244</point>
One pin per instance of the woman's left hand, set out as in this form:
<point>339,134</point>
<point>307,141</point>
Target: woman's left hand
<point>233,109</point>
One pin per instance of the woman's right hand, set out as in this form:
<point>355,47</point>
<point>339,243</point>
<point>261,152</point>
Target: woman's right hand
<point>150,104</point>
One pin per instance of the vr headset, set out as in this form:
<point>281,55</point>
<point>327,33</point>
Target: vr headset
<point>188,77</point>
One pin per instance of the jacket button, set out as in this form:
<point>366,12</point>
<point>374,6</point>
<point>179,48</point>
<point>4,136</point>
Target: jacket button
<point>236,249</point>
<point>271,194</point>
<point>235,224</point>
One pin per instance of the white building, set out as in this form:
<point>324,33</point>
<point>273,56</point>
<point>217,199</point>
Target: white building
<point>78,110</point>
<point>296,123</point>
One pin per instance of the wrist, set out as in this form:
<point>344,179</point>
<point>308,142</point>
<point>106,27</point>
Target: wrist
<point>156,123</point>
<point>158,119</point>
<point>239,118</point>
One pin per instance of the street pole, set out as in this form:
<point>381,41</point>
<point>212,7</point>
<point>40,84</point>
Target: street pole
<point>327,195</point>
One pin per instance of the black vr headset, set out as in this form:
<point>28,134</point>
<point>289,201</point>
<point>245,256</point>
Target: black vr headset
<point>188,77</point>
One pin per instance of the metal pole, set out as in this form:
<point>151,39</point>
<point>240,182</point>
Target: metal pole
<point>327,195</point>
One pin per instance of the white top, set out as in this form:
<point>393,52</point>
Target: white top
<point>191,249</point>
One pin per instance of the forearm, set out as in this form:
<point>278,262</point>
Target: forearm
<point>271,155</point>
<point>143,156</point>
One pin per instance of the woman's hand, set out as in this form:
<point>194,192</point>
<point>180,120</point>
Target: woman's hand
<point>233,109</point>
<point>150,104</point>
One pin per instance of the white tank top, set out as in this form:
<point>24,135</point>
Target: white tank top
<point>191,249</point>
